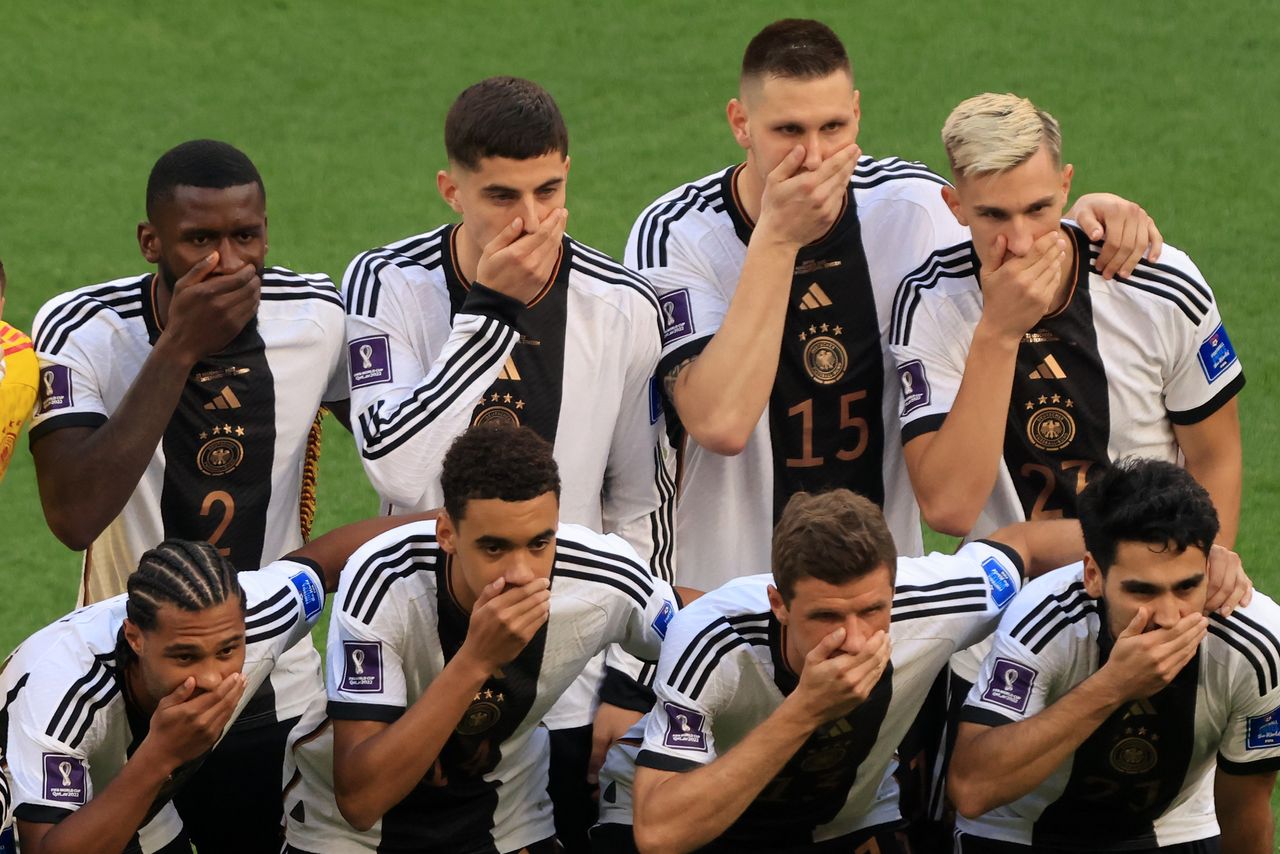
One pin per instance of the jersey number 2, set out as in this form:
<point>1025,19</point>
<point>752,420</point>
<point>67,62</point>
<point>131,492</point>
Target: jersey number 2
<point>228,513</point>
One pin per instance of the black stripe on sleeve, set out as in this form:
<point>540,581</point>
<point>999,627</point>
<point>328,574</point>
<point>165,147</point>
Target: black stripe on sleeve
<point>983,717</point>
<point>922,425</point>
<point>71,419</point>
<point>1244,769</point>
<point>340,711</point>
<point>40,814</point>
<point>1009,552</point>
<point>663,762</point>
<point>1204,410</point>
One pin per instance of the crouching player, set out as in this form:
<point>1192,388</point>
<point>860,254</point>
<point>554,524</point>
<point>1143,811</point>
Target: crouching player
<point>782,698</point>
<point>107,712</point>
<point>1112,714</point>
<point>450,640</point>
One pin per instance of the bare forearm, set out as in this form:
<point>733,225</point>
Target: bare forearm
<point>1044,545</point>
<point>1220,476</point>
<point>956,471</point>
<point>108,822</point>
<point>998,765</point>
<point>686,811</point>
<point>85,484</point>
<point>721,395</point>
<point>1251,833</point>
<point>380,771</point>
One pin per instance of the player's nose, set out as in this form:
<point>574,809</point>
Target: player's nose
<point>813,152</point>
<point>1020,239</point>
<point>854,636</point>
<point>519,572</point>
<point>230,257</point>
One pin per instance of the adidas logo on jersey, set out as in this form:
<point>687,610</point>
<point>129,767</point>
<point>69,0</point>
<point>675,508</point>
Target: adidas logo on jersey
<point>226,399</point>
<point>815,297</point>
<point>1049,369</point>
<point>509,371</point>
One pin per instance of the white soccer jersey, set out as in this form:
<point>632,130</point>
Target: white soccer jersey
<point>395,625</point>
<point>67,727</point>
<point>1145,776</point>
<point>722,673</point>
<point>1106,377</point>
<point>229,468</point>
<point>430,356</point>
<point>833,417</point>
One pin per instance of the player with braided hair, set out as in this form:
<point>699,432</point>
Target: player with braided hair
<point>108,712</point>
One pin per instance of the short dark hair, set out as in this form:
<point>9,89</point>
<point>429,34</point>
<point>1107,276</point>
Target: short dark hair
<point>1145,501</point>
<point>200,163</point>
<point>833,536</point>
<point>798,48</point>
<point>188,574</point>
<point>503,117</point>
<point>497,461</point>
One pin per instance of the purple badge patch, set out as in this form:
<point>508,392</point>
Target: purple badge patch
<point>64,779</point>
<point>915,387</point>
<point>1010,685</point>
<point>370,361</point>
<point>684,728</point>
<point>677,317</point>
<point>55,388</point>
<point>1216,354</point>
<point>362,667</point>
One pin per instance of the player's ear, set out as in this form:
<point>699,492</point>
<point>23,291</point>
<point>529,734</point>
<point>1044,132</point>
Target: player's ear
<point>1093,580</point>
<point>736,112</point>
<point>776,605</point>
<point>133,636</point>
<point>448,188</point>
<point>857,106</point>
<point>446,535</point>
<point>1067,172</point>
<point>149,242</point>
<point>952,198</point>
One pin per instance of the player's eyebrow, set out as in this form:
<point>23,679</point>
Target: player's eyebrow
<point>487,540</point>
<point>1190,583</point>
<point>548,534</point>
<point>1134,586</point>
<point>176,648</point>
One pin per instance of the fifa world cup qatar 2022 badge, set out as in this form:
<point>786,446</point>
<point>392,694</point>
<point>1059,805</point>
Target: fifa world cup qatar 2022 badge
<point>825,358</point>
<point>684,728</point>
<point>64,779</point>
<point>915,386</point>
<point>55,389</point>
<point>1010,685</point>
<point>362,667</point>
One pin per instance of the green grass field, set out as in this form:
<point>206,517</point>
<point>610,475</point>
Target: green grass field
<point>341,105</point>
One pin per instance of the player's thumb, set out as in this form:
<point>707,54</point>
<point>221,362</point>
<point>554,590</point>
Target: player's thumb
<point>200,269</point>
<point>1137,625</point>
<point>1090,225</point>
<point>998,250</point>
<point>828,645</point>
<point>789,164</point>
<point>180,694</point>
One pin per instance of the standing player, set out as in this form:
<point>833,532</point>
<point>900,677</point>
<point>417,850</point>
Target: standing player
<point>109,711</point>
<point>502,318</point>
<point>18,372</point>
<point>1112,714</point>
<point>776,279</point>
<point>450,640</point>
<point>1024,371</point>
<point>179,404</point>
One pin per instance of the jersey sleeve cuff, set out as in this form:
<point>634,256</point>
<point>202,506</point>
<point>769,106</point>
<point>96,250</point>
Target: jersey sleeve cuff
<point>1243,769</point>
<point>40,813</point>
<point>983,717</point>
<point>923,424</point>
<point>688,350</point>
<point>489,303</point>
<point>1009,552</point>
<point>619,689</point>
<point>71,419</point>
<point>663,762</point>
<point>340,711</point>
<point>1204,410</point>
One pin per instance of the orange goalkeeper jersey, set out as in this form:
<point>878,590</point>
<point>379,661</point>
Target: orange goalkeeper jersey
<point>17,389</point>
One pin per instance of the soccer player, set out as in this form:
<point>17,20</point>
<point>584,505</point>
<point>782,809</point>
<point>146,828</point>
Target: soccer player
<point>1024,372</point>
<point>1113,714</point>
<point>179,404</point>
<point>776,278</point>
<point>503,318</point>
<point>109,711</point>
<point>18,372</point>
<point>782,698</point>
<point>450,640</point>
